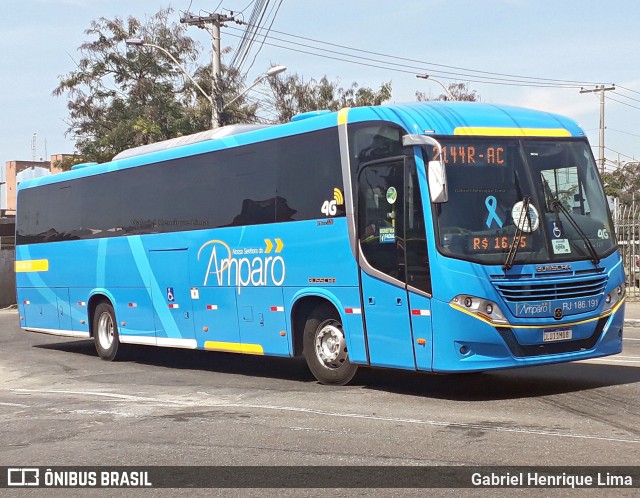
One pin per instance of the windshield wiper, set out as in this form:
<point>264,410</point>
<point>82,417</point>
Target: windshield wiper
<point>517,236</point>
<point>556,206</point>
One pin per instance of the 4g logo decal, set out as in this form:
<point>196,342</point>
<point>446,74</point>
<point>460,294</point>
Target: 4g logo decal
<point>330,207</point>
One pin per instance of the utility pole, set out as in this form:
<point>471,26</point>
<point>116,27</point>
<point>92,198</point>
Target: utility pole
<point>601,89</point>
<point>212,23</point>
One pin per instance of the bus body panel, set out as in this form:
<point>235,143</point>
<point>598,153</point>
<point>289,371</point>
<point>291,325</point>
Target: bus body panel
<point>234,288</point>
<point>347,302</point>
<point>386,313</point>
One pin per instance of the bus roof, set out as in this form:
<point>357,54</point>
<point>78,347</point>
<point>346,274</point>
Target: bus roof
<point>433,118</point>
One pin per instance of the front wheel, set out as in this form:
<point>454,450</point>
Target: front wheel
<point>105,332</point>
<point>325,348</point>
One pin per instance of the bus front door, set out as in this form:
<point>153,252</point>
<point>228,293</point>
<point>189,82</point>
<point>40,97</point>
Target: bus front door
<point>394,268</point>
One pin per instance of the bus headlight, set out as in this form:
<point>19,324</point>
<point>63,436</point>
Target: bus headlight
<point>481,308</point>
<point>614,297</point>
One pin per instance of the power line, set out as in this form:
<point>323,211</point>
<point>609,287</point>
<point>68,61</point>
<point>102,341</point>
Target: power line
<point>628,89</point>
<point>620,153</point>
<point>479,73</point>
<point>625,132</point>
<point>264,37</point>
<point>626,97</point>
<point>413,70</point>
<point>624,103</point>
<point>258,13</point>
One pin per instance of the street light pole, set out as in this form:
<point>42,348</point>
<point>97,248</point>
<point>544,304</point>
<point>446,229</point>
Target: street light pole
<point>270,72</point>
<point>215,99</point>
<point>427,77</point>
<point>138,42</point>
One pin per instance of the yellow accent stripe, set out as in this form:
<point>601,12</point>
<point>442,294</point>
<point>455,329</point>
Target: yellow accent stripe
<point>508,325</point>
<point>234,347</point>
<point>29,265</point>
<point>342,116</point>
<point>511,132</point>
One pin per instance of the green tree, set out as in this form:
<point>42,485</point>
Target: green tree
<point>460,92</point>
<point>121,97</point>
<point>624,182</point>
<point>293,95</point>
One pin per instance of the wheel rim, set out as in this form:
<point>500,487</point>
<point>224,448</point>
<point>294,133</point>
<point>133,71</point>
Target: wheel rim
<point>330,346</point>
<point>106,331</point>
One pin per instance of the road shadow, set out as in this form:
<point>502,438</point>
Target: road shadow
<point>525,382</point>
<point>284,368</point>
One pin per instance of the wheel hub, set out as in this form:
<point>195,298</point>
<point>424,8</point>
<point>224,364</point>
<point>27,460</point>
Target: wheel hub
<point>105,331</point>
<point>330,345</point>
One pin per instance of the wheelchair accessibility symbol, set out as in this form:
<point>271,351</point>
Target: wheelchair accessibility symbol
<point>556,229</point>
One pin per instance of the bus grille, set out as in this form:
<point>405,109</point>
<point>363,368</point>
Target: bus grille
<point>529,290</point>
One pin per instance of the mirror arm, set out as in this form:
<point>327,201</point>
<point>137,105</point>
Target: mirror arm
<point>436,173</point>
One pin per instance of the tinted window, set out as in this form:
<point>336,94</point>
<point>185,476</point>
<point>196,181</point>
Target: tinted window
<point>391,221</point>
<point>280,180</point>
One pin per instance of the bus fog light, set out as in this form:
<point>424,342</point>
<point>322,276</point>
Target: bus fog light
<point>464,350</point>
<point>614,297</point>
<point>484,309</point>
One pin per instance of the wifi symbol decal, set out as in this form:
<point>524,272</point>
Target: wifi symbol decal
<point>337,195</point>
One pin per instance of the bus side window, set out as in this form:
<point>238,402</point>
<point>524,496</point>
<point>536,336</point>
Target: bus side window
<point>381,218</point>
<point>418,272</point>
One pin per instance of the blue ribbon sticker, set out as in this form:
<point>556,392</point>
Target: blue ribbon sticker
<point>492,205</point>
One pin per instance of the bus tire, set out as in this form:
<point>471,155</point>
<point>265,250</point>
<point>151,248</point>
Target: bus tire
<point>325,348</point>
<point>105,332</point>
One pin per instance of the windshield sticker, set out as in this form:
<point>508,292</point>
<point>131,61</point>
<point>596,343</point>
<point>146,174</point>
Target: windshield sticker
<point>555,229</point>
<point>387,235</point>
<point>392,195</point>
<point>527,223</point>
<point>492,204</point>
<point>561,246</point>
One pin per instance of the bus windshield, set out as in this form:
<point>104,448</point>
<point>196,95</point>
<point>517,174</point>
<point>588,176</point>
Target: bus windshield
<point>491,180</point>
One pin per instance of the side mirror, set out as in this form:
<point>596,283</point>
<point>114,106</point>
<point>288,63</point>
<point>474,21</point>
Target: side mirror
<point>437,178</point>
<point>436,173</point>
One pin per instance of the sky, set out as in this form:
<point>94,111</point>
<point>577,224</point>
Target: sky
<point>539,51</point>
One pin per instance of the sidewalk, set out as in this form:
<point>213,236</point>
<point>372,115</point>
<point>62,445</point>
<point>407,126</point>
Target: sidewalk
<point>632,313</point>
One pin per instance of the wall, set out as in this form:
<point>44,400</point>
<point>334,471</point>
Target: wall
<point>7,277</point>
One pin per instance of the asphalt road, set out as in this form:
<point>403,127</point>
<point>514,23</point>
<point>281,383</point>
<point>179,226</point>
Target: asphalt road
<point>61,405</point>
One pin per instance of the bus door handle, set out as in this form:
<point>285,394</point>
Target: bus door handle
<point>372,301</point>
<point>398,301</point>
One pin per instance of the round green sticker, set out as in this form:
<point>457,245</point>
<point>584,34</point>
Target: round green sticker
<point>392,195</point>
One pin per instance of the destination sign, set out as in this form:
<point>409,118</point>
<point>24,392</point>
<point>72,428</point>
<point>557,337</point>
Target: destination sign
<point>471,155</point>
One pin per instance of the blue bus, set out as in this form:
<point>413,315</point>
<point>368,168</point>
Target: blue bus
<point>433,236</point>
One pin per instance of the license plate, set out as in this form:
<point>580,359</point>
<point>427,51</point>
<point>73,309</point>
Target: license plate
<point>553,335</point>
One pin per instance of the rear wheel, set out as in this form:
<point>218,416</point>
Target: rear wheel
<point>325,348</point>
<point>105,332</point>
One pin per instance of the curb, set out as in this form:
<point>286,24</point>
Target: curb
<point>632,322</point>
